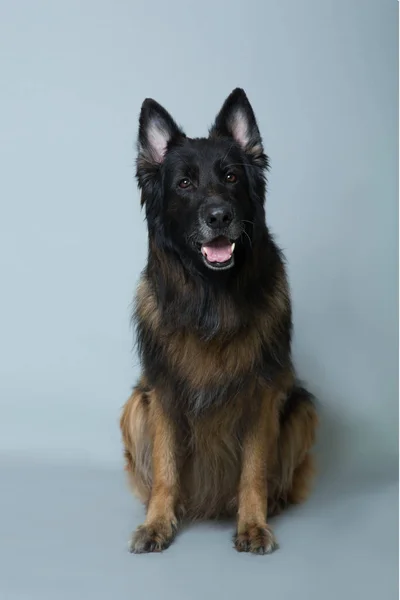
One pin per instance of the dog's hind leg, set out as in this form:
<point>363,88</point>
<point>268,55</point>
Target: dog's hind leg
<point>136,437</point>
<point>293,476</point>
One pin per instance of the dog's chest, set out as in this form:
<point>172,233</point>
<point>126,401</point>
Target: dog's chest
<point>215,363</point>
<point>211,468</point>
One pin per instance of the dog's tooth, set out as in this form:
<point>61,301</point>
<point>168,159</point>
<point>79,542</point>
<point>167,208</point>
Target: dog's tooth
<point>233,246</point>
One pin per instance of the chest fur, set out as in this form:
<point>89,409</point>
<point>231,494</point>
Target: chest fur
<point>211,468</point>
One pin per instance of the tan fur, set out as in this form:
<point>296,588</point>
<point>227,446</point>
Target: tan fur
<point>196,360</point>
<point>138,444</point>
<point>164,493</point>
<point>259,452</point>
<point>217,425</point>
<point>236,459</point>
<point>211,473</point>
<point>215,457</point>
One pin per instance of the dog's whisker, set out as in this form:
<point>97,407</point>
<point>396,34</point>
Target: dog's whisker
<point>249,238</point>
<point>241,165</point>
<point>227,152</point>
<point>175,151</point>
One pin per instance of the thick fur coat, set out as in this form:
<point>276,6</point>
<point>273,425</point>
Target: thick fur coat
<point>217,424</point>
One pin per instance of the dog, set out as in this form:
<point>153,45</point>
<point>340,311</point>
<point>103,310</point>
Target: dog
<point>218,425</point>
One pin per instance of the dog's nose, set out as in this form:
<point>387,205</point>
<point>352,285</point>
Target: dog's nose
<point>218,217</point>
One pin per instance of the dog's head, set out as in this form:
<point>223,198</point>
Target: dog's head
<point>204,197</point>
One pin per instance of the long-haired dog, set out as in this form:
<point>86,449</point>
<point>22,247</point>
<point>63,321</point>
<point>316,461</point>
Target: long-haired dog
<point>217,424</point>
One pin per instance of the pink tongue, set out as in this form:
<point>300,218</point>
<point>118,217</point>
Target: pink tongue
<point>218,250</point>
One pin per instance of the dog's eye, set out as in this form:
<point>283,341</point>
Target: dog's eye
<point>185,183</point>
<point>230,178</point>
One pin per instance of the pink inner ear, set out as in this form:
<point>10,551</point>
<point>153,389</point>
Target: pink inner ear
<point>158,139</point>
<point>240,128</point>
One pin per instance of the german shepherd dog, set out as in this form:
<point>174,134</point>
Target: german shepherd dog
<point>217,425</point>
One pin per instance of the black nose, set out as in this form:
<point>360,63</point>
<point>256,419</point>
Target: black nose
<point>218,217</point>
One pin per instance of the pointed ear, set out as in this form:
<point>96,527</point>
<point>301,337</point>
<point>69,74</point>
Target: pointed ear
<point>236,120</point>
<point>157,130</point>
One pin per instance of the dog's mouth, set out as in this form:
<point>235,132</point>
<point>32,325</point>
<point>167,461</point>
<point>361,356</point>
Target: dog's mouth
<point>218,253</point>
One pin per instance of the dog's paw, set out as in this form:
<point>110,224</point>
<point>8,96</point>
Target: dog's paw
<point>153,537</point>
<point>257,539</point>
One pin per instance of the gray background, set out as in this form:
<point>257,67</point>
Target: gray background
<point>323,80</point>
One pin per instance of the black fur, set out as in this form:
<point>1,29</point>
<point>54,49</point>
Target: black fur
<point>299,395</point>
<point>191,296</point>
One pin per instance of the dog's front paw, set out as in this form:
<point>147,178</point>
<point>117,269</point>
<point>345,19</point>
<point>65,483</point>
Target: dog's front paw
<point>153,537</point>
<point>254,538</point>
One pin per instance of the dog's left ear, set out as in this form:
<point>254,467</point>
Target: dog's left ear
<point>236,120</point>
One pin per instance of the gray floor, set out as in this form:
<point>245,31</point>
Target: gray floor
<point>64,534</point>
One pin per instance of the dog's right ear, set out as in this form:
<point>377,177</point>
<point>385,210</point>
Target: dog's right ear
<point>157,130</point>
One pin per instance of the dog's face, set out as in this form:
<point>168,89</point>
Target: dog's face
<point>203,197</point>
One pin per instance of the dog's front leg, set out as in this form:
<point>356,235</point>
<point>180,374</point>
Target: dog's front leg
<point>253,533</point>
<point>159,528</point>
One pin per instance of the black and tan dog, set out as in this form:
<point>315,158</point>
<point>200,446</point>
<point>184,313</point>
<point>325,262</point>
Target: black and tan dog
<point>217,424</point>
